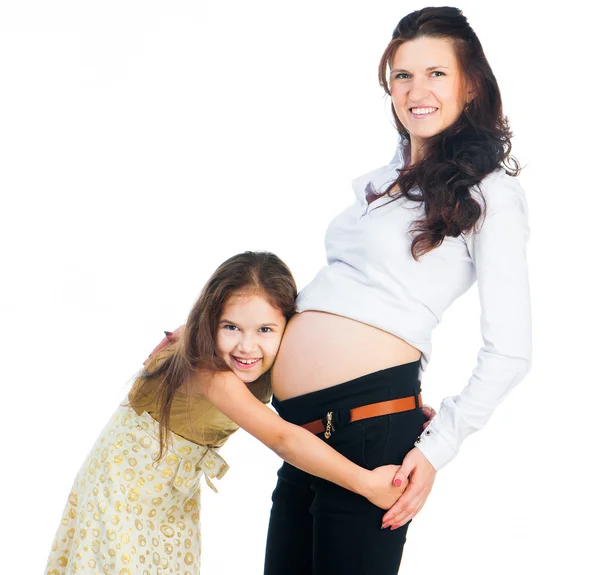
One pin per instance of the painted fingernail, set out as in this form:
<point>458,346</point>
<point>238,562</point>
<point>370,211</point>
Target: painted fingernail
<point>385,525</point>
<point>397,482</point>
<point>395,526</point>
<point>168,333</point>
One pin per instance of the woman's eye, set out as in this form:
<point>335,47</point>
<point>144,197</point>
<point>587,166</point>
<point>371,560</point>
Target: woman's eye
<point>402,76</point>
<point>437,74</point>
<point>265,329</point>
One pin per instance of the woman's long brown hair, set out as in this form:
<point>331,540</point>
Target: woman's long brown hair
<point>456,160</point>
<point>255,272</point>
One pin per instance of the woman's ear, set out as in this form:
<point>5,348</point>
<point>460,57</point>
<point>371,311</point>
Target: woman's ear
<point>470,93</point>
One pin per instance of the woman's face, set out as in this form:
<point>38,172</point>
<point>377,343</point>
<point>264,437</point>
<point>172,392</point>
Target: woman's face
<point>427,86</point>
<point>248,335</point>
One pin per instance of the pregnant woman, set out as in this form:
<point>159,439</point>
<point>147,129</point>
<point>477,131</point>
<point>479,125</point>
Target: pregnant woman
<point>446,212</point>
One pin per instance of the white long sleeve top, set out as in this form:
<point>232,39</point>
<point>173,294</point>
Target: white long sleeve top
<point>372,277</point>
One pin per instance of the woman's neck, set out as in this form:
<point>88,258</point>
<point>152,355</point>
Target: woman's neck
<point>415,152</point>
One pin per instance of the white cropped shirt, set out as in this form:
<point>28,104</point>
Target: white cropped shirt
<point>372,277</point>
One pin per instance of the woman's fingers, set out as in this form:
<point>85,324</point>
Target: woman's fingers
<point>164,342</point>
<point>404,519</point>
<point>169,337</point>
<point>421,475</point>
<point>410,511</point>
<point>408,505</point>
<point>178,333</point>
<point>402,507</point>
<point>429,413</point>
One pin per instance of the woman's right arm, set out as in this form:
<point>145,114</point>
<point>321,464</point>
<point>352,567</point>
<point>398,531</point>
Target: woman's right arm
<point>294,444</point>
<point>499,255</point>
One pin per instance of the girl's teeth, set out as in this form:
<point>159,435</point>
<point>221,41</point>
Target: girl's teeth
<point>247,361</point>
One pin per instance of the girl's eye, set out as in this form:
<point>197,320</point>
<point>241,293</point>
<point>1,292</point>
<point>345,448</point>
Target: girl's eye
<point>230,327</point>
<point>265,329</point>
<point>402,76</point>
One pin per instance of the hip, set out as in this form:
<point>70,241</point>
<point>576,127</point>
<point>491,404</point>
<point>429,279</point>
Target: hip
<point>369,442</point>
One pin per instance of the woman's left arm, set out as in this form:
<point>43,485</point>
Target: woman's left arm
<point>498,252</point>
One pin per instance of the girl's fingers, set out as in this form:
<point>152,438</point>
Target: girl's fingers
<point>400,478</point>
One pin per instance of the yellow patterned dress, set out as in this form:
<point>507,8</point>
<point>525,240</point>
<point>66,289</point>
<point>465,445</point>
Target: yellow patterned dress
<point>126,514</point>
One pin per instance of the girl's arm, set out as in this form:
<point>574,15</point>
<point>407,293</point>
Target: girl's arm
<point>173,336</point>
<point>296,445</point>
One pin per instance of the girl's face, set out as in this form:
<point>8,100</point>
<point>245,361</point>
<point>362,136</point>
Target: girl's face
<point>249,334</point>
<point>427,86</point>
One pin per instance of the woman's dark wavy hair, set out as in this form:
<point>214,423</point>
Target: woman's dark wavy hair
<point>260,273</point>
<point>457,159</point>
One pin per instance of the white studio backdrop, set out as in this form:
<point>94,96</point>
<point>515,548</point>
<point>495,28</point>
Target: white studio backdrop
<point>142,143</point>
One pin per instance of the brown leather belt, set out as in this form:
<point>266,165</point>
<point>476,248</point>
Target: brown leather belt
<point>367,411</point>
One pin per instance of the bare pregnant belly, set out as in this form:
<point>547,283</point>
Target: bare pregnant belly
<point>321,349</point>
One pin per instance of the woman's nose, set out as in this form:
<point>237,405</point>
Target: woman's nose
<point>418,91</point>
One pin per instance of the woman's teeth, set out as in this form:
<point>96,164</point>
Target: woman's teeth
<point>423,111</point>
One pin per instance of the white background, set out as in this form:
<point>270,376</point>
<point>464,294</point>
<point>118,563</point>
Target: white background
<point>142,143</point>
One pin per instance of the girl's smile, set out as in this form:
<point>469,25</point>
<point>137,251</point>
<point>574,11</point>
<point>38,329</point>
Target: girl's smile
<point>249,334</point>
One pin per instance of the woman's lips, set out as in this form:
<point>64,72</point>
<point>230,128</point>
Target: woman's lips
<point>421,112</point>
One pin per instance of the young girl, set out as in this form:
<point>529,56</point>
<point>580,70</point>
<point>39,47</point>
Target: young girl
<point>134,507</point>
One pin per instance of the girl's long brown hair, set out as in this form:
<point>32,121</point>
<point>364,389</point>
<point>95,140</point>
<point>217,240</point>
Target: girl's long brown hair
<point>255,272</point>
<point>457,159</point>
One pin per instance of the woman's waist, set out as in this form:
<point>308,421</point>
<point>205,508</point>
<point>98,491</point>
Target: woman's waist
<point>375,388</point>
<point>320,350</point>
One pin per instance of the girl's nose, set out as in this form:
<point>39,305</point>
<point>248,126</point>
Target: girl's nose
<point>247,343</point>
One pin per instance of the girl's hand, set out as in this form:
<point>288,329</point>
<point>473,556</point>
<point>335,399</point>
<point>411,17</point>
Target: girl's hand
<point>421,475</point>
<point>381,490</point>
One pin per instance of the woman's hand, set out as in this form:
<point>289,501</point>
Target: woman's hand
<point>381,493</point>
<point>429,413</point>
<point>381,490</point>
<point>421,475</point>
<point>170,337</point>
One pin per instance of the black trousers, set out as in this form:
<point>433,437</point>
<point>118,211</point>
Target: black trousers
<point>319,528</point>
